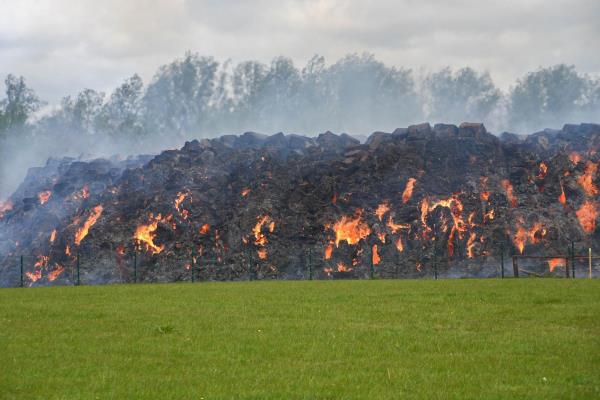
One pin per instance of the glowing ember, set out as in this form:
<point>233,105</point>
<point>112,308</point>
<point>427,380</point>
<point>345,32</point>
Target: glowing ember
<point>381,237</point>
<point>334,199</point>
<point>343,268</point>
<point>512,200</point>
<point>587,215</point>
<point>575,157</point>
<point>83,194</point>
<point>55,273</point>
<point>408,190</point>
<point>245,192</point>
<point>533,235</point>
<point>53,236</point>
<point>181,196</point>
<point>146,234</point>
<point>329,250</point>
<point>555,262</point>
<point>587,179</point>
<point>351,229</point>
<point>375,257</point>
<point>381,210</point>
<point>543,170</point>
<point>396,227</point>
<point>471,244</point>
<point>562,198</point>
<point>68,250</point>
<point>204,229</point>
<point>93,217</point>
<point>44,196</point>
<point>328,270</point>
<point>4,207</point>
<point>489,215</point>
<point>34,276</point>
<point>262,253</point>
<point>454,205</point>
<point>260,239</point>
<point>484,195</point>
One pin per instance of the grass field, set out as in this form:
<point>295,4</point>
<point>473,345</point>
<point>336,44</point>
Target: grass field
<point>528,338</point>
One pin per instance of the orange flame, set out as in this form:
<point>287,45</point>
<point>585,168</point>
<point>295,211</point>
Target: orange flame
<point>260,239</point>
<point>587,179</point>
<point>375,258</point>
<point>555,262</point>
<point>408,190</point>
<point>396,227</point>
<point>512,200</point>
<point>146,233</point>
<point>562,199</point>
<point>533,235</point>
<point>181,196</point>
<point>329,250</point>
<point>399,245</point>
<point>68,250</point>
<point>245,192</point>
<point>489,215</point>
<point>55,273</point>
<point>351,229</point>
<point>93,217</point>
<point>484,195</point>
<point>587,215</point>
<point>381,210</point>
<point>543,171</point>
<point>471,244</point>
<point>204,229</point>
<point>53,236</point>
<point>44,196</point>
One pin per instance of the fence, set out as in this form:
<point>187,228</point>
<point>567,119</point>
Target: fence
<point>135,267</point>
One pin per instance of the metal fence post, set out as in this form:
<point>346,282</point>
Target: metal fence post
<point>573,259</point>
<point>22,281</point>
<point>435,274</point>
<point>502,259</point>
<point>135,266</point>
<point>193,264</point>
<point>310,271</point>
<point>78,266</point>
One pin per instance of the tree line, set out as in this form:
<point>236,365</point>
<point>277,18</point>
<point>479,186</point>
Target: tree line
<point>197,96</point>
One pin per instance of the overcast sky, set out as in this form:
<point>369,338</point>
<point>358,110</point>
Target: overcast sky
<point>62,46</point>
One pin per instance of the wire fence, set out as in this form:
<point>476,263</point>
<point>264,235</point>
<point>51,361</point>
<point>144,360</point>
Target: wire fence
<point>140,267</point>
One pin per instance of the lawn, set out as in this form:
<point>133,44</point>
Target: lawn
<point>392,339</point>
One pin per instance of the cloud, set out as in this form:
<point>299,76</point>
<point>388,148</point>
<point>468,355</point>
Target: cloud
<point>62,46</point>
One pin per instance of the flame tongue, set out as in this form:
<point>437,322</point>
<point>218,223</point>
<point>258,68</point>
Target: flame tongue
<point>93,217</point>
<point>587,215</point>
<point>351,229</point>
<point>587,179</point>
<point>146,234</point>
<point>44,196</point>
<point>408,190</point>
<point>512,200</point>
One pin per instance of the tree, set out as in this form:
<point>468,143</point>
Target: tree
<point>458,96</point>
<point>122,115</point>
<point>20,103</point>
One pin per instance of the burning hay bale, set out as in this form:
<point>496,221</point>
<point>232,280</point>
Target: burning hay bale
<point>271,205</point>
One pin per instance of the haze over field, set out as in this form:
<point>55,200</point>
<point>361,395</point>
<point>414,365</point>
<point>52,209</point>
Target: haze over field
<point>117,78</point>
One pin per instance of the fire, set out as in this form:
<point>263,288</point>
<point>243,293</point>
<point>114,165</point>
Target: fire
<point>245,192</point>
<point>424,211</point>
<point>4,207</point>
<point>512,200</point>
<point>53,236</point>
<point>146,233</point>
<point>68,250</point>
<point>351,229</point>
<point>55,273</point>
<point>471,244</point>
<point>484,195</point>
<point>83,194</point>
<point>381,210</point>
<point>204,229</point>
<point>408,190</point>
<point>562,199</point>
<point>399,245</point>
<point>533,235</point>
<point>334,199</point>
<point>381,237</point>
<point>262,253</point>
<point>587,215</point>
<point>489,215</point>
<point>555,262</point>
<point>181,196</point>
<point>34,276</point>
<point>575,157</point>
<point>375,257</point>
<point>42,262</point>
<point>587,179</point>
<point>93,217</point>
<point>343,268</point>
<point>543,171</point>
<point>396,227</point>
<point>329,250</point>
<point>44,196</point>
<point>260,239</point>
<point>328,270</point>
<point>458,224</point>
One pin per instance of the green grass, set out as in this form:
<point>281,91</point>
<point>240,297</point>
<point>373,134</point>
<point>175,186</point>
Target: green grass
<point>528,338</point>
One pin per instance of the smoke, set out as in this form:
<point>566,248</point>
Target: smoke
<point>195,97</point>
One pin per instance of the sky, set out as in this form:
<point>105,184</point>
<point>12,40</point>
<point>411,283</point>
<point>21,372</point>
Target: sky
<point>63,46</point>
